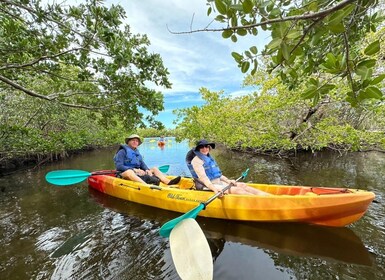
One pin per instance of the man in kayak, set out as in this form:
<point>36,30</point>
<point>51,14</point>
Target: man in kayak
<point>130,162</point>
<point>206,172</point>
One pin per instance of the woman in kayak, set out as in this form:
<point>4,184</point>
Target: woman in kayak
<point>130,162</point>
<point>206,172</point>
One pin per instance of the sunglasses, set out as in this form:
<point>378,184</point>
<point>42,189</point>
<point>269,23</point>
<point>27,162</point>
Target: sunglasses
<point>205,146</point>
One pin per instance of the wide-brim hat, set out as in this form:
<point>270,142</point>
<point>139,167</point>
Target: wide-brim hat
<point>132,136</point>
<point>202,143</point>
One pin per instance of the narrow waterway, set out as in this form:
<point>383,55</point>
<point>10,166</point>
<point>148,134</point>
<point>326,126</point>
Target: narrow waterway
<point>73,232</point>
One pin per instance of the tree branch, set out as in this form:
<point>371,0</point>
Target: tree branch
<point>315,16</point>
<point>34,94</point>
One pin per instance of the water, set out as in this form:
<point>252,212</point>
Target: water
<point>50,232</point>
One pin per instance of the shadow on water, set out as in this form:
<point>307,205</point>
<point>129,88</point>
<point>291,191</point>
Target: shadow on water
<point>340,244</point>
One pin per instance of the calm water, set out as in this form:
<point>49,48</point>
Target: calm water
<point>73,232</point>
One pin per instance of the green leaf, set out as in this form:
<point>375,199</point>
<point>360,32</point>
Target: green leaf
<point>234,21</point>
<point>234,38</point>
<point>245,66</point>
<point>373,48</point>
<point>369,63</point>
<point>373,92</point>
<point>315,38</point>
<point>221,7</point>
<point>254,49</point>
<point>331,59</point>
<point>247,6</point>
<point>293,34</point>
<point>209,10</point>
<point>377,79</point>
<point>238,57</point>
<point>274,44</point>
<point>242,32</point>
<point>337,17</point>
<point>326,88</point>
<point>314,82</point>
<point>275,13</point>
<point>370,92</point>
<point>363,72</point>
<point>285,51</point>
<point>248,54</point>
<point>338,28</point>
<point>227,33</point>
<point>309,93</point>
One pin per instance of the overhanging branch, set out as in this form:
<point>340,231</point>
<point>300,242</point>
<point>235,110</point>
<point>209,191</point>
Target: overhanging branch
<point>48,98</point>
<point>318,15</point>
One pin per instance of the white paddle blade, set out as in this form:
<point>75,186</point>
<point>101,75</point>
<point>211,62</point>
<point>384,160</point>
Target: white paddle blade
<point>190,251</point>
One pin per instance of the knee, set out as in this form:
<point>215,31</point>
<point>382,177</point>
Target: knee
<point>241,185</point>
<point>154,169</point>
<point>128,173</point>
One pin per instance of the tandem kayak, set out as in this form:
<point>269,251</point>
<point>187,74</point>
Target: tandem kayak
<point>313,205</point>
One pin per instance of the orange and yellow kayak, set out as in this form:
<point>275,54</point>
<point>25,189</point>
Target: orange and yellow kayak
<point>315,205</point>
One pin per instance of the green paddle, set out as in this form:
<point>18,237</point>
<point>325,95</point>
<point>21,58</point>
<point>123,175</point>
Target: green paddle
<point>166,229</point>
<point>70,177</point>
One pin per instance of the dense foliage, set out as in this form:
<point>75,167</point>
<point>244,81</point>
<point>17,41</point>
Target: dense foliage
<point>86,57</point>
<point>39,132</point>
<point>278,121</point>
<point>72,77</point>
<point>313,44</point>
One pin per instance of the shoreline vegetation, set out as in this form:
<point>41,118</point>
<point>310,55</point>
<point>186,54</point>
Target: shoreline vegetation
<point>24,161</point>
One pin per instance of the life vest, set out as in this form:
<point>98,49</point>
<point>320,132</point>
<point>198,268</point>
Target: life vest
<point>210,165</point>
<point>133,158</point>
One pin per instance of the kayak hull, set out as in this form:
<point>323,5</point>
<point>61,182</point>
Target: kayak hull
<point>314,205</point>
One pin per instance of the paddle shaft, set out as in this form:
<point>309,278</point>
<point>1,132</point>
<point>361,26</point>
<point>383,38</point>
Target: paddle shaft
<point>221,192</point>
<point>166,229</point>
<point>70,177</point>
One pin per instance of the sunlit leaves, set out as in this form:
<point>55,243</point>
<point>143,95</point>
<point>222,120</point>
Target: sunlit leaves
<point>373,48</point>
<point>316,38</point>
<point>378,79</point>
<point>276,120</point>
<point>370,92</point>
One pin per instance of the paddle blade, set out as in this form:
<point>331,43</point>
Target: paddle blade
<point>164,168</point>
<point>166,229</point>
<point>66,177</point>
<point>190,251</point>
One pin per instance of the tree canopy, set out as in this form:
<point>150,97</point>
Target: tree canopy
<point>318,43</point>
<point>80,56</point>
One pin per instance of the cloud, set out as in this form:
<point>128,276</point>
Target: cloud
<point>194,60</point>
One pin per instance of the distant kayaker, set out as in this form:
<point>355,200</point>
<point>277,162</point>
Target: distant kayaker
<point>206,172</point>
<point>130,162</point>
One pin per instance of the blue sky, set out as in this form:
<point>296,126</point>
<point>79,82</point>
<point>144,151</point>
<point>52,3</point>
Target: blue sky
<point>194,60</point>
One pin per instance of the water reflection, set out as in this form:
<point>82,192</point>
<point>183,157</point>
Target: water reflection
<point>48,232</point>
<point>340,244</point>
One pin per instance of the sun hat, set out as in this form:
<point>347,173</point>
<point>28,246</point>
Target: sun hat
<point>202,143</point>
<point>132,136</point>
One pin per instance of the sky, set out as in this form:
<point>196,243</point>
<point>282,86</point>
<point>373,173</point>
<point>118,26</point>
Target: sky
<point>194,60</point>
